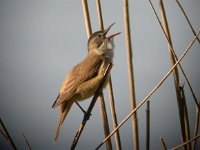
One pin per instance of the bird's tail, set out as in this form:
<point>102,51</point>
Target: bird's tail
<point>64,109</point>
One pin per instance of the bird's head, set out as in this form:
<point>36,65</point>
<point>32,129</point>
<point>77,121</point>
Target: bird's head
<point>100,43</point>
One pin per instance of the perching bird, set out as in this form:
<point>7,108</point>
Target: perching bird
<point>84,79</point>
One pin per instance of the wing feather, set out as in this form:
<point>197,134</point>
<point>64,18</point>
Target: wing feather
<point>82,72</point>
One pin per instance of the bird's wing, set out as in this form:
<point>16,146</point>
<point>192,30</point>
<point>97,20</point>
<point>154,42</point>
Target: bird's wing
<point>79,74</point>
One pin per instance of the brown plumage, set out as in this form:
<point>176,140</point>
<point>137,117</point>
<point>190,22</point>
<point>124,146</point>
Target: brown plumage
<point>71,88</point>
<point>84,79</point>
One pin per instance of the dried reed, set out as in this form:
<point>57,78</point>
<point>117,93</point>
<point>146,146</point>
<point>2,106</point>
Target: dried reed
<point>185,143</point>
<point>110,89</point>
<point>148,126</point>
<point>183,116</point>
<point>163,144</point>
<point>87,18</point>
<point>131,75</point>
<point>197,121</point>
<point>105,120</point>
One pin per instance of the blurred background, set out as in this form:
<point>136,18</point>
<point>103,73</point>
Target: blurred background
<point>41,40</point>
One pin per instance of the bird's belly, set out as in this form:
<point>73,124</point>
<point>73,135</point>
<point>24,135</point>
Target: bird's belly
<point>88,88</point>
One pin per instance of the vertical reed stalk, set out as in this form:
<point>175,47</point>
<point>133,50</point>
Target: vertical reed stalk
<point>114,116</point>
<point>185,115</point>
<point>100,16</point>
<point>163,144</point>
<point>196,126</point>
<point>105,121</point>
<point>101,101</point>
<point>131,76</point>
<point>148,126</point>
<point>110,89</point>
<point>86,17</point>
<point>180,99</point>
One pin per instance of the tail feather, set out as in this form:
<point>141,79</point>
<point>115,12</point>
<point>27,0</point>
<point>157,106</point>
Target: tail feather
<point>64,109</point>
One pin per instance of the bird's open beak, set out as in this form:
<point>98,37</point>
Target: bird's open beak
<point>110,36</point>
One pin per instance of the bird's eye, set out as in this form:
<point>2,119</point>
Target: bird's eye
<point>99,35</point>
<point>97,46</point>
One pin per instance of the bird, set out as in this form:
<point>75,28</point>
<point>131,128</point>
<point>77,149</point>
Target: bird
<point>84,79</point>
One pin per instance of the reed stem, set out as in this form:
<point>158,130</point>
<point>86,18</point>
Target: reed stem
<point>148,126</point>
<point>86,17</point>
<point>110,89</point>
<point>131,75</point>
<point>185,143</point>
<point>114,116</point>
<point>163,144</point>
<point>102,101</point>
<point>105,120</point>
<point>196,126</point>
<point>183,116</point>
